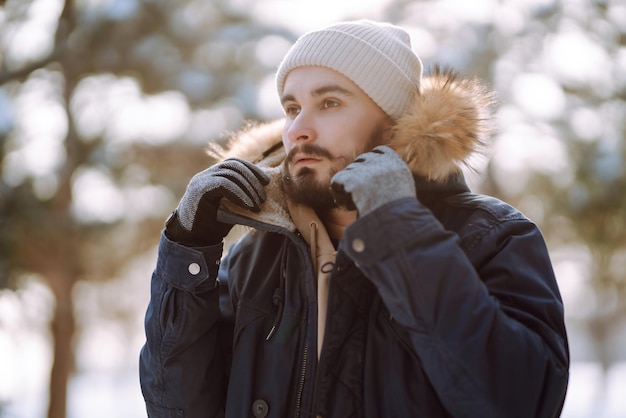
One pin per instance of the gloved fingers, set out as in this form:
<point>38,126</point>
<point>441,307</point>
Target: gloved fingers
<point>382,149</point>
<point>233,191</point>
<point>237,180</point>
<point>381,152</point>
<point>341,196</point>
<point>247,175</point>
<point>246,168</point>
<point>240,182</point>
<point>381,160</point>
<point>371,158</point>
<point>373,178</point>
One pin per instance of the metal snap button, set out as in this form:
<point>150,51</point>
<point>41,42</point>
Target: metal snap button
<point>194,268</point>
<point>358,245</point>
<point>260,409</point>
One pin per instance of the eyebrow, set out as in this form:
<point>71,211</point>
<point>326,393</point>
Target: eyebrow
<point>320,91</point>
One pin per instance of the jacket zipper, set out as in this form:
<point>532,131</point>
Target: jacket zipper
<point>305,353</point>
<point>301,386</point>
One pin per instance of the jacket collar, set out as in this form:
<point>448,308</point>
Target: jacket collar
<point>453,184</point>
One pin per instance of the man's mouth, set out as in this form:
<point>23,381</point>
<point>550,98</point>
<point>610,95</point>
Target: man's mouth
<point>305,159</point>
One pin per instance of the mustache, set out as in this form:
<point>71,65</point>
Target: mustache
<point>311,149</point>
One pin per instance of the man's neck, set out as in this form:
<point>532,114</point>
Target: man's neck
<point>336,221</point>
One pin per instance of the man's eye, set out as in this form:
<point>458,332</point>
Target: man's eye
<point>330,103</point>
<point>292,110</point>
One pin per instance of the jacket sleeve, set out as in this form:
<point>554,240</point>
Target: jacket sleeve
<point>486,320</point>
<point>183,365</point>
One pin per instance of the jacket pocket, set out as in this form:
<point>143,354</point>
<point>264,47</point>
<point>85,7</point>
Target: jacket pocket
<point>245,316</point>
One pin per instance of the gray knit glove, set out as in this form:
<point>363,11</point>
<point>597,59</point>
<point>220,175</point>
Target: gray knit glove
<point>372,180</point>
<point>195,222</point>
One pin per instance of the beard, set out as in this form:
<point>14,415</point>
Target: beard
<point>304,187</point>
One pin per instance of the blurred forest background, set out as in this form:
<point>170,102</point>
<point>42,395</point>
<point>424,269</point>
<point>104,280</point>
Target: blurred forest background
<point>106,108</point>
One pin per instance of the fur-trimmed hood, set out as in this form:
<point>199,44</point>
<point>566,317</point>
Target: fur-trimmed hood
<point>448,122</point>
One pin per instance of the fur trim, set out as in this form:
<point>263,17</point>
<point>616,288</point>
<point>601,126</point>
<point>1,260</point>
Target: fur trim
<point>449,121</point>
<point>251,143</point>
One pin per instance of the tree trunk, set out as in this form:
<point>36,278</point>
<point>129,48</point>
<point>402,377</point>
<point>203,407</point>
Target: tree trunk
<point>62,328</point>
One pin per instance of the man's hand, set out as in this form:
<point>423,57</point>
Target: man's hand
<point>372,180</point>
<point>195,220</point>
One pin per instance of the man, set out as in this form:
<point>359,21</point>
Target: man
<point>373,283</point>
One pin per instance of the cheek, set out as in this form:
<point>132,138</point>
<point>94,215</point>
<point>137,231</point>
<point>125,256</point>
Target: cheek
<point>287,145</point>
<point>359,139</point>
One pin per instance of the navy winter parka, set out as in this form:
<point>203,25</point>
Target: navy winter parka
<point>440,306</point>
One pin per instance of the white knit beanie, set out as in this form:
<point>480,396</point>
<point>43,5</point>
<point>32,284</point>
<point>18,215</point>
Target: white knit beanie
<point>375,56</point>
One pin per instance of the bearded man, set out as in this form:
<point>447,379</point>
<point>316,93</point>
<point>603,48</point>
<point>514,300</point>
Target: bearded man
<point>372,283</point>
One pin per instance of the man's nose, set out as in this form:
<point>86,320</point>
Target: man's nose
<point>301,129</point>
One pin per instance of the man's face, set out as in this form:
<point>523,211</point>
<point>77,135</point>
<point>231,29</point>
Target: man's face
<point>329,122</point>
